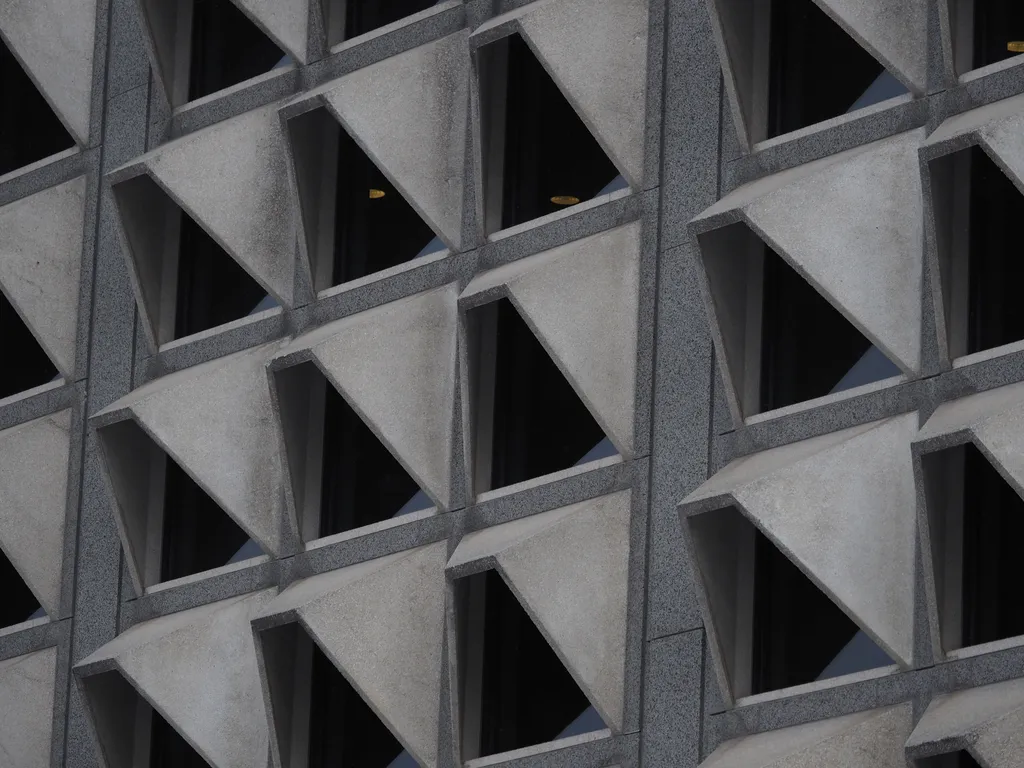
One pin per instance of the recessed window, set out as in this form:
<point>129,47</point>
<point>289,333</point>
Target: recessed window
<point>976,519</point>
<point>33,367</point>
<point>538,155</point>
<point>960,759</point>
<point>167,749</point>
<point>346,19</point>
<point>19,604</point>
<point>528,420</point>
<point>30,131</point>
<point>985,32</point>
<point>342,475</point>
<point>515,692</point>
<point>977,213</point>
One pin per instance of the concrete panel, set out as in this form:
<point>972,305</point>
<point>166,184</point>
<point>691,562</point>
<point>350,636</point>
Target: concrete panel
<point>871,739</point>
<point>408,113</point>
<point>581,301</point>
<point>198,669</point>
<point>578,602</point>
<point>33,500</point>
<point>988,722</point>
<point>54,41</point>
<point>26,709</point>
<point>40,266</point>
<point>404,384</point>
<point>381,623</point>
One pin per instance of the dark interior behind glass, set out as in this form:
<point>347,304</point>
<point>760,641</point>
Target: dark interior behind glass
<point>19,604</point>
<point>362,16</point>
<point>17,342</point>
<point>996,23</point>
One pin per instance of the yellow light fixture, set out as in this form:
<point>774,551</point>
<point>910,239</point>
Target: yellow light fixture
<point>564,200</point>
<point>1015,46</point>
<point>376,194</point>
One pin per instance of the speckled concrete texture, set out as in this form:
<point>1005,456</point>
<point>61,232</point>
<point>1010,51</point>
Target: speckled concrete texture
<point>26,703</point>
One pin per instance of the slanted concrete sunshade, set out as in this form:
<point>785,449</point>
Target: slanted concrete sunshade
<point>54,40</point>
<point>232,179</point>
<point>872,739</point>
<point>581,302</point>
<point>987,722</point>
<point>381,623</point>
<point>841,507</point>
<point>26,701</point>
<point>578,602</point>
<point>33,503</point>
<point>403,387</point>
<point>215,420</point>
<point>851,225</point>
<point>596,52</point>
<point>40,266</point>
<point>197,669</point>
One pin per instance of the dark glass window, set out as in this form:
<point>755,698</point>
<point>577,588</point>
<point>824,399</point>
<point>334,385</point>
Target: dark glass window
<point>362,482</point>
<point>362,16</point>
<point>996,24</point>
<point>227,48</point>
<point>550,157</point>
<point>197,534</point>
<point>19,604</point>
<point>961,759</point>
<point>539,425</point>
<point>526,695</point>
<point>808,349</point>
<point>817,71</point>
<point>996,314</point>
<point>374,226</point>
<point>30,130</point>
<point>17,342</point>
<point>212,288</point>
<point>992,531</point>
<point>799,634</point>
<point>167,749</point>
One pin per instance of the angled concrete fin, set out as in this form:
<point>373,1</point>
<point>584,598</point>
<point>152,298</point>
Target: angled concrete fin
<point>26,699</point>
<point>40,265</point>
<point>988,721</point>
<point>488,542</point>
<point>596,52</point>
<point>408,113</point>
<point>284,21</point>
<point>232,178</point>
<point>1004,138</point>
<point>33,500</point>
<point>404,384</point>
<point>381,623</point>
<point>54,41</point>
<point>872,739</point>
<point>733,25</point>
<point>581,301</point>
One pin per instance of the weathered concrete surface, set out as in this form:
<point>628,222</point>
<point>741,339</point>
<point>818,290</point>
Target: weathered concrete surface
<point>26,708</point>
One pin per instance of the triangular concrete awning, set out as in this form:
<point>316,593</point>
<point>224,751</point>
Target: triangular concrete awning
<point>988,722</point>
<point>26,698</point>
<point>408,113</point>
<point>40,266</point>
<point>198,669</point>
<point>871,739</point>
<point>841,508</point>
<point>596,52</point>
<point>581,302</point>
<point>381,623</point>
<point>215,420</point>
<point>403,386</point>
<point>568,568</point>
<point>54,41</point>
<point>33,503</point>
<point>851,225</point>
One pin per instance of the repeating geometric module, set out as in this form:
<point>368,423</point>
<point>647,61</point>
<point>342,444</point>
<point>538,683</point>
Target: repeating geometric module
<point>232,178</point>
<point>988,722</point>
<point>871,739</point>
<point>568,568</point>
<point>849,224</point>
<point>215,420</point>
<point>40,266</point>
<point>841,507</point>
<point>581,302</point>
<point>403,387</point>
<point>381,623</point>
<point>33,499</point>
<point>408,113</point>
<point>198,670</point>
<point>596,52</point>
<point>26,699</point>
<point>53,40</point>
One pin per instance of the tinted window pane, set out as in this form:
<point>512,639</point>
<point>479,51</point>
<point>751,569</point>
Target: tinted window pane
<point>362,16</point>
<point>17,343</point>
